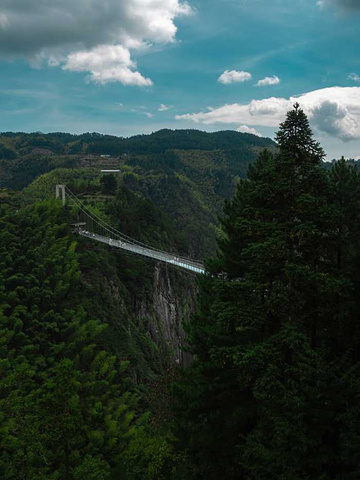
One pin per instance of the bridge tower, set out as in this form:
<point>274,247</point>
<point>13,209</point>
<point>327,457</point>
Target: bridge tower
<point>60,189</point>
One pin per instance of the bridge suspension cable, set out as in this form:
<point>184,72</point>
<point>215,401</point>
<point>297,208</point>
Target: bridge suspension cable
<point>95,228</point>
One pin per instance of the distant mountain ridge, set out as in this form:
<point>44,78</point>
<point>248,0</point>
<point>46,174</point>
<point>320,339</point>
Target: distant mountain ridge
<point>156,142</point>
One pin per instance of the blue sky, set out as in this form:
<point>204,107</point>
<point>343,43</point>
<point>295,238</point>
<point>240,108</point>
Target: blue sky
<point>134,66</point>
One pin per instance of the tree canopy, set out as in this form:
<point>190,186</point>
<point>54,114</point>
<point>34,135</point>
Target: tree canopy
<point>273,389</point>
<point>87,390</point>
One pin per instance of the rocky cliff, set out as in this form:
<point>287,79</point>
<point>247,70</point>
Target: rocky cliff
<point>144,303</point>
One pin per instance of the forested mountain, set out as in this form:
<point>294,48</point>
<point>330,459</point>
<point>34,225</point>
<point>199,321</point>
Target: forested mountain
<point>91,336</point>
<point>186,173</point>
<point>88,337</point>
<point>97,379</point>
<point>157,142</point>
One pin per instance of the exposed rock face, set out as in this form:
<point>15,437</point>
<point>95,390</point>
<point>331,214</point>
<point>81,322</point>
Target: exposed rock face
<point>172,307</point>
<point>173,301</point>
<point>154,307</point>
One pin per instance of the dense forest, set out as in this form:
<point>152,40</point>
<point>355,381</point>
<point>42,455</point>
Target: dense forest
<point>83,353</point>
<point>185,173</point>
<point>188,174</point>
<point>273,391</point>
<point>157,142</point>
<point>97,378</point>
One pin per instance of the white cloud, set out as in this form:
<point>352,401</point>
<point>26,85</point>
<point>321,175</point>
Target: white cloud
<point>4,21</point>
<point>333,118</point>
<point>274,80</point>
<point>355,77</point>
<point>72,32</point>
<point>246,129</point>
<point>107,63</point>
<point>334,110</point>
<point>265,112</point>
<point>231,76</point>
<point>163,107</point>
<point>141,110</point>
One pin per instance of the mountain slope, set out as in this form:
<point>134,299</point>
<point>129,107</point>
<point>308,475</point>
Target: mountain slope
<point>186,173</point>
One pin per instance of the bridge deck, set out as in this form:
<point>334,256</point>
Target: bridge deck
<point>147,252</point>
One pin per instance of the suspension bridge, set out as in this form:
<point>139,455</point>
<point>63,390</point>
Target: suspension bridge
<point>91,226</point>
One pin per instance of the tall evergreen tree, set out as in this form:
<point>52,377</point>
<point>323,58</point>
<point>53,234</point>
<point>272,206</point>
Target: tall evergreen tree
<point>263,394</point>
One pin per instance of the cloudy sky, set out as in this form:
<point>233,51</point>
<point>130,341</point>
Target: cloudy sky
<point>135,66</point>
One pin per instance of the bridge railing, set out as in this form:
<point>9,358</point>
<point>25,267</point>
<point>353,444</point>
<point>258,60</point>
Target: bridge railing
<point>90,225</point>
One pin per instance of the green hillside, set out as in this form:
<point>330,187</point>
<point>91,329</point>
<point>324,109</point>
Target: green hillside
<point>82,340</point>
<point>114,366</point>
<point>157,142</point>
<point>187,174</point>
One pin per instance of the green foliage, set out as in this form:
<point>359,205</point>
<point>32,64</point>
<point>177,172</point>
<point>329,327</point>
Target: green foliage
<point>18,173</point>
<point>6,153</point>
<point>67,401</point>
<point>108,183</point>
<point>79,181</point>
<point>151,454</point>
<point>181,201</point>
<point>186,173</point>
<point>139,218</point>
<point>65,405</point>
<point>159,142</point>
<point>295,137</point>
<point>273,390</point>
<point>276,335</point>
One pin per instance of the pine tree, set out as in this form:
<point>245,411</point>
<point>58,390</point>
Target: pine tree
<point>262,396</point>
<point>295,138</point>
